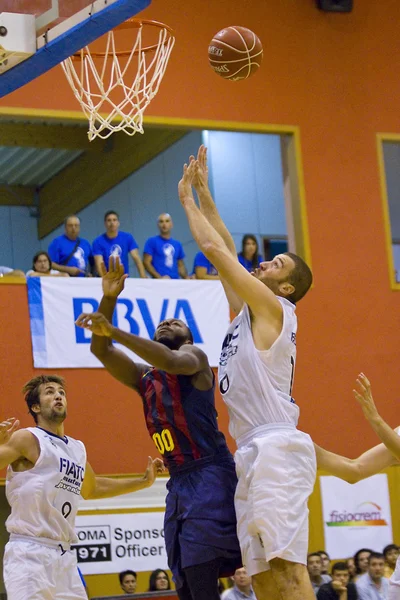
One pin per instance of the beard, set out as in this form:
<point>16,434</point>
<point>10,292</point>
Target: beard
<point>57,417</point>
<point>173,343</point>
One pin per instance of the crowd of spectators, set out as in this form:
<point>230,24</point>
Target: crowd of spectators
<point>70,255</point>
<point>365,576</point>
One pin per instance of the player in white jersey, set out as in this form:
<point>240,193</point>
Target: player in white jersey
<point>48,472</point>
<point>276,463</point>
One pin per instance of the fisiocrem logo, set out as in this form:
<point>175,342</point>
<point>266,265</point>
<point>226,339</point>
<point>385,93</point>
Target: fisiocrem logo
<point>361,517</point>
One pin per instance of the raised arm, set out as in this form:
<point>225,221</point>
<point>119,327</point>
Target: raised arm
<point>117,363</point>
<point>95,487</point>
<point>261,300</point>
<point>388,436</point>
<point>209,209</point>
<point>188,360</point>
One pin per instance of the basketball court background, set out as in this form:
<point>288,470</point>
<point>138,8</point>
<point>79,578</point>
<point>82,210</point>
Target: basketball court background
<point>335,77</point>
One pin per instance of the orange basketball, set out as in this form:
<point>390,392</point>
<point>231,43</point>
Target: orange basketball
<point>235,53</point>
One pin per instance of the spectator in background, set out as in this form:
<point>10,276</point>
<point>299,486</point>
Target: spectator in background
<point>339,588</point>
<point>8,272</point>
<point>351,565</point>
<point>127,580</point>
<point>372,585</point>
<point>163,256</point>
<point>326,561</point>
<point>42,267</point>
<point>68,252</point>
<point>242,586</point>
<point>249,256</point>
<point>116,243</point>
<point>159,581</point>
<point>314,568</point>
<point>203,269</point>
<point>391,554</point>
<point>361,561</point>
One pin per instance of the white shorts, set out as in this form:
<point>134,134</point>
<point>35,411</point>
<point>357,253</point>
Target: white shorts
<point>35,571</point>
<point>276,468</point>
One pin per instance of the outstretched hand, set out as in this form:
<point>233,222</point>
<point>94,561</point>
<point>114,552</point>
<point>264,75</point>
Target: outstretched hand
<point>154,467</point>
<point>96,323</point>
<point>7,428</point>
<point>363,395</point>
<point>201,169</point>
<point>113,280</point>
<point>185,185</point>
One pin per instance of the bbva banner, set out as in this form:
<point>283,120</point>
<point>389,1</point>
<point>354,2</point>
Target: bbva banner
<point>355,515</point>
<point>111,543</point>
<point>55,304</point>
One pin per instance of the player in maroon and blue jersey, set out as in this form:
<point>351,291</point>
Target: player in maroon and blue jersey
<point>179,408</point>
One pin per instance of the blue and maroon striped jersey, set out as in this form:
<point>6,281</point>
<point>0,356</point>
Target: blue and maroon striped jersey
<point>181,419</point>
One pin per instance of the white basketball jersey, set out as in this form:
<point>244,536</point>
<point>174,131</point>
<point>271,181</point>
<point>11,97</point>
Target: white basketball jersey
<point>256,384</point>
<point>44,500</point>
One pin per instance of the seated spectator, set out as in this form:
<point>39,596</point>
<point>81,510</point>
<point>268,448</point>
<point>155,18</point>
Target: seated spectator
<point>42,267</point>
<point>163,256</point>
<point>249,256</point>
<point>159,581</point>
<point>314,568</point>
<point>391,554</point>
<point>351,565</point>
<point>372,584</point>
<point>241,588</point>
<point>203,269</point>
<point>70,253</point>
<point>116,243</point>
<point>361,561</point>
<point>127,580</point>
<point>340,587</point>
<point>8,272</point>
<point>326,561</point>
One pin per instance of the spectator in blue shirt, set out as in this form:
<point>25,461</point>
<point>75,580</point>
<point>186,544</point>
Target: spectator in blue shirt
<point>249,256</point>
<point>373,585</point>
<point>203,269</point>
<point>116,243</point>
<point>70,253</point>
<point>163,256</point>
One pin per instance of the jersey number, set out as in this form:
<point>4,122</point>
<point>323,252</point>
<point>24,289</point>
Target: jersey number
<point>66,509</point>
<point>292,375</point>
<point>164,442</point>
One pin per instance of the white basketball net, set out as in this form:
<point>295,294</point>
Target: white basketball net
<point>110,103</point>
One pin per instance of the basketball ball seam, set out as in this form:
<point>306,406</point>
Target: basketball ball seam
<point>218,62</point>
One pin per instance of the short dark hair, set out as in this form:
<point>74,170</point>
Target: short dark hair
<point>40,254</point>
<point>123,574</point>
<point>339,566</point>
<point>300,277</point>
<point>377,555</point>
<point>313,554</point>
<point>356,557</point>
<point>389,548</point>
<point>153,577</point>
<point>322,552</point>
<point>31,390</point>
<point>111,212</point>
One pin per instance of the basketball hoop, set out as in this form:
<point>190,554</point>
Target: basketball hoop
<point>112,96</point>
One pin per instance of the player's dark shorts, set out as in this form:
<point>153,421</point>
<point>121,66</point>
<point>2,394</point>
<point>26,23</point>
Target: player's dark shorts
<point>200,520</point>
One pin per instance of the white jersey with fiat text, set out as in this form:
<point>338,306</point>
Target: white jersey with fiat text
<point>44,500</point>
<point>256,384</point>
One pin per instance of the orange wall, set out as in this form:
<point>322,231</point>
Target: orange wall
<point>337,78</point>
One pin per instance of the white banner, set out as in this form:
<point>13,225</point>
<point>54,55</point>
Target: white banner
<point>55,304</point>
<point>112,543</point>
<point>355,516</point>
